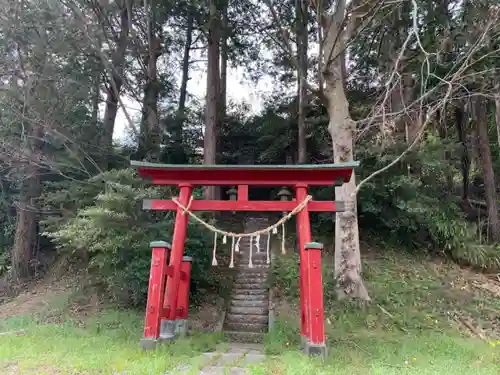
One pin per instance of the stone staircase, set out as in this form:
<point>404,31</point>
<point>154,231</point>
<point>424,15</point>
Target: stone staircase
<point>247,316</point>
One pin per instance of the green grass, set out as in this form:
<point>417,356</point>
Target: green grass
<point>409,328</point>
<point>382,352</point>
<point>105,345</point>
<point>109,345</point>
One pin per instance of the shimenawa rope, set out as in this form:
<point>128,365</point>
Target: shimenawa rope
<point>235,245</point>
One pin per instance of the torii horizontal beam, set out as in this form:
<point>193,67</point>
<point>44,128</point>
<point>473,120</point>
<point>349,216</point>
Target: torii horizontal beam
<point>249,206</point>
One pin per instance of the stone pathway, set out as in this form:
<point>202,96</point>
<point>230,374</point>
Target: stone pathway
<point>232,360</point>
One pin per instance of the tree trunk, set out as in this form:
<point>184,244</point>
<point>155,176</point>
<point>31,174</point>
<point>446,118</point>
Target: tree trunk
<point>342,127</point>
<point>184,80</point>
<point>96,96</point>
<point>464,154</point>
<point>481,119</point>
<point>178,151</point>
<point>302,47</point>
<point>223,65</point>
<point>26,235</point>
<point>442,128</point>
<point>412,117</point>
<point>497,116</point>
<point>113,89</point>
<point>150,139</point>
<point>213,92</point>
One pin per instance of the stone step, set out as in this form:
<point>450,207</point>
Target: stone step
<point>245,253</point>
<point>255,260</point>
<point>255,254</point>
<point>250,310</point>
<point>259,285</point>
<point>247,318</point>
<point>245,303</point>
<point>252,275</point>
<point>249,297</point>
<point>255,272</point>
<point>258,291</point>
<point>251,280</point>
<point>244,266</point>
<point>246,337</point>
<point>245,327</point>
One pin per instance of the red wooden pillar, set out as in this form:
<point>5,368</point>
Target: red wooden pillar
<point>183,296</point>
<point>154,306</point>
<point>174,267</point>
<point>316,344</point>
<point>242,192</point>
<point>304,234</point>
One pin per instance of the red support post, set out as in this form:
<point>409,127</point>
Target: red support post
<point>243,193</point>
<point>304,234</point>
<point>316,344</point>
<point>183,296</point>
<point>174,277</point>
<point>154,306</point>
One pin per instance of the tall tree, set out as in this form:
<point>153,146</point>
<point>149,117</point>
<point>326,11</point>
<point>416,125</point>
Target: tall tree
<point>213,91</point>
<point>301,15</point>
<point>149,139</point>
<point>480,115</point>
<point>337,33</point>
<point>117,69</point>
<point>224,49</point>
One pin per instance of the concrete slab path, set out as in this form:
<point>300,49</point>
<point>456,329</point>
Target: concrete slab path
<point>230,359</point>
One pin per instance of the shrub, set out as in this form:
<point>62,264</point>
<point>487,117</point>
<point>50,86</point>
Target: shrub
<point>104,217</point>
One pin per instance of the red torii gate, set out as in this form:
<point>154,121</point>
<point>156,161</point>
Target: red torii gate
<point>168,294</point>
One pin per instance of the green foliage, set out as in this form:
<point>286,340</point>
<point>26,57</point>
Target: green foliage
<point>417,210</point>
<point>286,277</point>
<point>109,224</point>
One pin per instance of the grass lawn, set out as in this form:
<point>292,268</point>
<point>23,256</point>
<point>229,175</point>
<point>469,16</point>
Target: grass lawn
<point>409,328</point>
<point>109,345</point>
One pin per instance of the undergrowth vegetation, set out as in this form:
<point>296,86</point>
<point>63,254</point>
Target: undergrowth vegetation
<point>411,295</point>
<point>106,222</point>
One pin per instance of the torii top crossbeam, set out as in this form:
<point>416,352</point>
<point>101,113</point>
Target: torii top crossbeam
<point>243,176</point>
<point>257,175</point>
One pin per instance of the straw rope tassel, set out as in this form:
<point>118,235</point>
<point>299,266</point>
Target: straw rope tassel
<point>250,264</point>
<point>268,242</point>
<point>231,264</point>
<point>257,242</point>
<point>214,259</point>
<point>237,246</point>
<point>283,250</point>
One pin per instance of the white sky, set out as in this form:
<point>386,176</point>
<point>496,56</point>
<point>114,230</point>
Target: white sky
<point>238,90</point>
